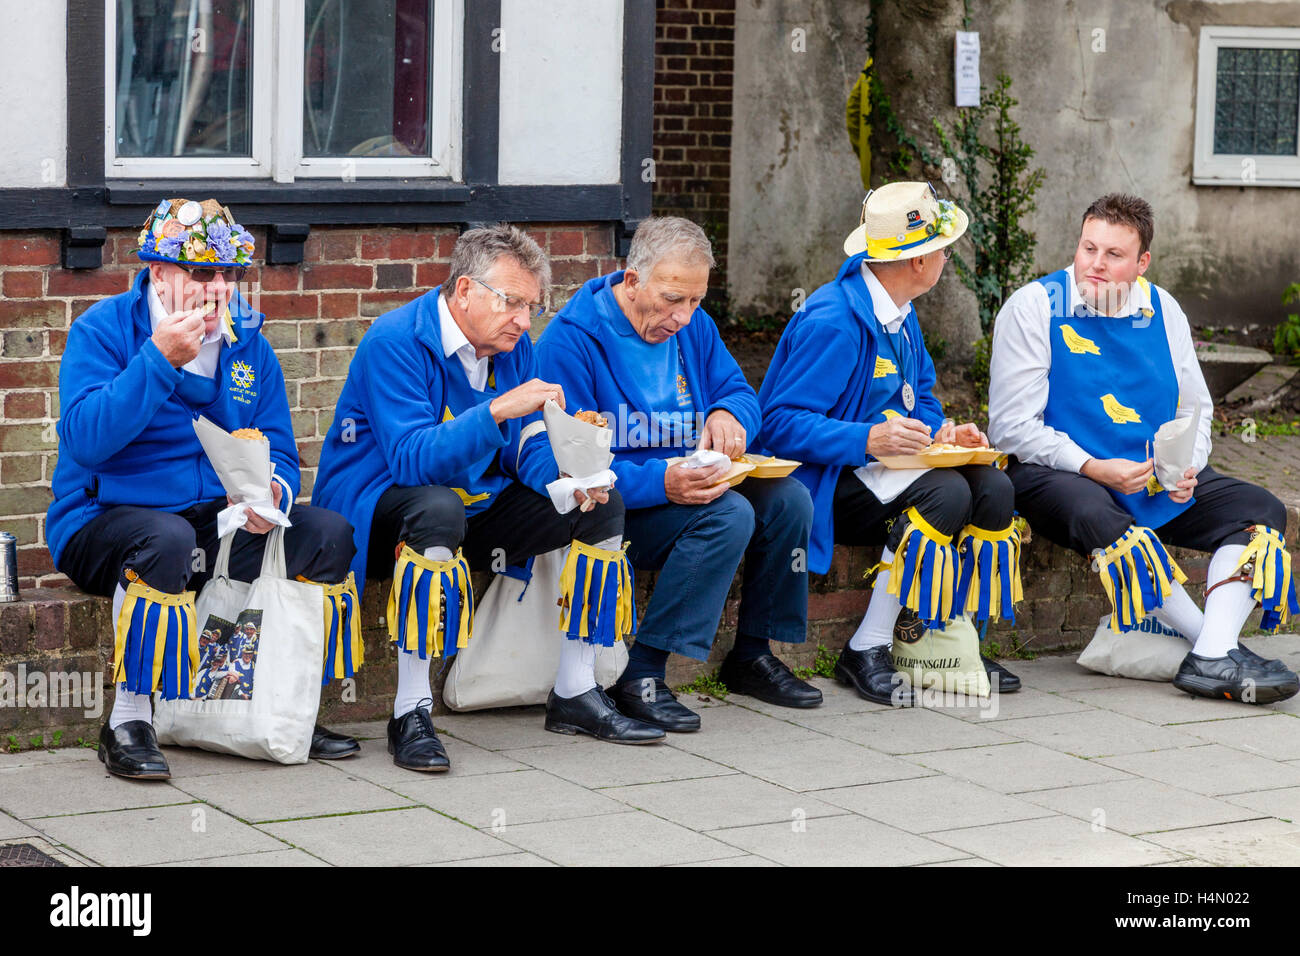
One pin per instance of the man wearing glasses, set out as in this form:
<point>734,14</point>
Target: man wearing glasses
<point>851,382</point>
<point>135,498</point>
<point>438,456</point>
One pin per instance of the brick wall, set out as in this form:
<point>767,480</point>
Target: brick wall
<point>692,121</point>
<point>316,313</point>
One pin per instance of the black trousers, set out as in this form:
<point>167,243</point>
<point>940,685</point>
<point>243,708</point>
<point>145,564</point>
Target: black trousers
<point>947,498</point>
<point>518,525</point>
<point>175,551</point>
<point>1078,513</point>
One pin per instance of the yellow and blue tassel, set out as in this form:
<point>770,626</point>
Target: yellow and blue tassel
<point>156,645</point>
<point>415,620</point>
<point>1272,583</point>
<point>924,574</point>
<point>596,590</point>
<point>344,650</point>
<point>990,573</point>
<point>1137,574</point>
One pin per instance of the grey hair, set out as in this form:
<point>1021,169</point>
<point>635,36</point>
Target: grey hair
<point>668,236</point>
<point>477,251</point>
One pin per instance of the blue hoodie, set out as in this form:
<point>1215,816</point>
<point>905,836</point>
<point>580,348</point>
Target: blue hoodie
<point>580,350</point>
<point>126,435</point>
<point>815,395</point>
<point>403,420</point>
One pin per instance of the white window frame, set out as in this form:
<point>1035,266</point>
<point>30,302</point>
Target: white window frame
<point>1221,169</point>
<point>278,77</point>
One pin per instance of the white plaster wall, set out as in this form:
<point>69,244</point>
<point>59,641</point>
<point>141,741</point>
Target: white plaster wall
<point>561,91</point>
<point>33,93</point>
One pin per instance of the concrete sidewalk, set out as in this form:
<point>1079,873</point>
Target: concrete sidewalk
<point>1077,768</point>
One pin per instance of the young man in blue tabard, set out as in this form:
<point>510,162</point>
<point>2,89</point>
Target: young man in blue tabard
<point>135,498</point>
<point>851,382</point>
<point>438,456</point>
<point>636,346</point>
<point>1088,362</point>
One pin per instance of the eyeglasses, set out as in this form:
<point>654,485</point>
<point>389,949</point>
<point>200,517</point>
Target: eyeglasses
<point>512,303</point>
<point>208,273</point>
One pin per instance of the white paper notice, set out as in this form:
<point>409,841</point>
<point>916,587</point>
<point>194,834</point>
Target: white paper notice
<point>967,68</point>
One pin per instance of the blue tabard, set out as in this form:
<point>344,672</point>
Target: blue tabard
<point>1111,384</point>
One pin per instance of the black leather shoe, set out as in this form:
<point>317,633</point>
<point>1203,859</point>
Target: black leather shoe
<point>1236,676</point>
<point>1268,663</point>
<point>327,745</point>
<point>1005,681</point>
<point>132,751</point>
<point>414,744</point>
<point>649,700</point>
<point>595,714</point>
<point>768,679</point>
<point>871,673</point>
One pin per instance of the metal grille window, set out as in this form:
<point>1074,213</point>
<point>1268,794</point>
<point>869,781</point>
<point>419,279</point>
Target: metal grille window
<point>1256,101</point>
<point>283,88</point>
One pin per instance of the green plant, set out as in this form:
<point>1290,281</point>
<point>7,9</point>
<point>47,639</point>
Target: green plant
<point>1286,340</point>
<point>37,742</point>
<point>706,685</point>
<point>823,664</point>
<point>13,744</point>
<point>1017,650</point>
<point>56,739</point>
<point>1000,188</point>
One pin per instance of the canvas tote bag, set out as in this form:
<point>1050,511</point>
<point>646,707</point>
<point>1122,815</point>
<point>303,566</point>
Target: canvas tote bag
<point>257,689</point>
<point>511,659</point>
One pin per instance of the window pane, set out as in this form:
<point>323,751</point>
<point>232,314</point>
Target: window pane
<point>1256,101</point>
<point>367,78</point>
<point>184,77</point>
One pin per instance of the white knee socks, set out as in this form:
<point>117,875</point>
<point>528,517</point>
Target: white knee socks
<point>126,705</point>
<point>1226,608</point>
<point>577,671</point>
<point>413,673</point>
<point>877,625</point>
<point>1180,613</point>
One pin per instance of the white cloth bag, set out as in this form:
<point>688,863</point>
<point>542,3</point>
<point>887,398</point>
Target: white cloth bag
<point>512,657</point>
<point>1150,652</point>
<point>276,721</point>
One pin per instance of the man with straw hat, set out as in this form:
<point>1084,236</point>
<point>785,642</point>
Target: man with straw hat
<point>135,498</point>
<point>1088,363</point>
<point>852,382</point>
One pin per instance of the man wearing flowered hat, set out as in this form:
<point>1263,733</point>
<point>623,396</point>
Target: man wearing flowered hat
<point>1088,363</point>
<point>135,498</point>
<point>852,382</point>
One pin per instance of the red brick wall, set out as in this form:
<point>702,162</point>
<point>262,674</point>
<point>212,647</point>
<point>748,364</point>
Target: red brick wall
<point>692,120</point>
<point>316,313</point>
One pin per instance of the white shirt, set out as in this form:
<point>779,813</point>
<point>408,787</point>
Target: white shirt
<point>454,342</point>
<point>1022,356</point>
<point>888,313</point>
<point>205,363</point>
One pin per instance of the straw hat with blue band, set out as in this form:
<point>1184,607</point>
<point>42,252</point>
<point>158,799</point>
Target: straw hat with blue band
<point>905,220</point>
<point>190,233</point>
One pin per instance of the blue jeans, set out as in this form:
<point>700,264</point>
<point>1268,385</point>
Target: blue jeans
<point>697,549</point>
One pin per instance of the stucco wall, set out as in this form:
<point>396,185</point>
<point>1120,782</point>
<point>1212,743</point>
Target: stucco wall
<point>33,93</point>
<point>795,188</point>
<point>1122,119</point>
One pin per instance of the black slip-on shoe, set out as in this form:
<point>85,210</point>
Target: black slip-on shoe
<point>595,714</point>
<point>871,673</point>
<point>327,745</point>
<point>414,743</point>
<point>1268,663</point>
<point>1005,681</point>
<point>131,750</point>
<point>768,679</point>
<point>1236,676</point>
<point>649,700</point>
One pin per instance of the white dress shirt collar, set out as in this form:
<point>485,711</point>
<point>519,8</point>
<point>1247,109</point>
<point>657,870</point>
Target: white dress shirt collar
<point>888,313</point>
<point>1139,298</point>
<point>455,343</point>
<point>205,363</point>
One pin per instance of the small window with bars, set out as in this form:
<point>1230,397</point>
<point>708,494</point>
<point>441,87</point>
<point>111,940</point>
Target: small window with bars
<point>1248,107</point>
